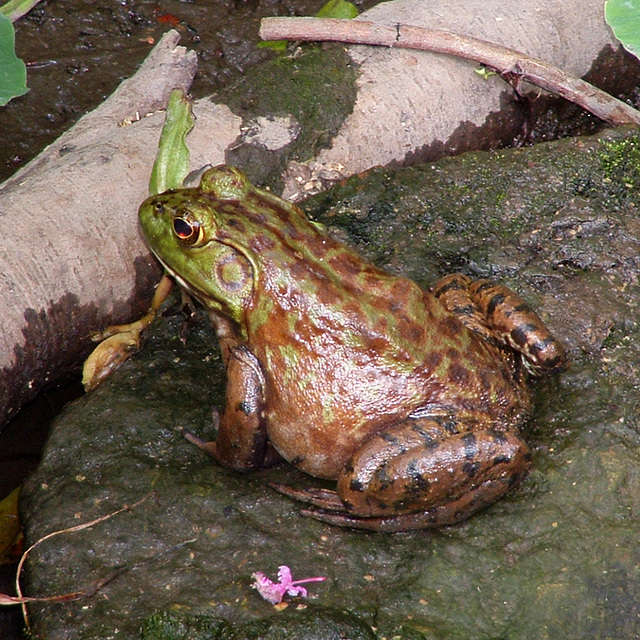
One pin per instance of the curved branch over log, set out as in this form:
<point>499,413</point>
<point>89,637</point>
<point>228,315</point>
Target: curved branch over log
<point>506,61</point>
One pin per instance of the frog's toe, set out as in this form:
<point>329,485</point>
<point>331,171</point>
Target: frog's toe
<point>382,524</point>
<point>207,447</point>
<point>325,499</point>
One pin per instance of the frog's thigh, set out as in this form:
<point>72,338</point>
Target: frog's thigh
<point>416,466</point>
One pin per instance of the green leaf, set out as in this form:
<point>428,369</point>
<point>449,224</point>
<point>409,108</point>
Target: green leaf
<point>172,161</point>
<point>623,16</point>
<point>275,45</point>
<point>332,9</point>
<point>13,73</point>
<point>338,9</point>
<point>485,73</point>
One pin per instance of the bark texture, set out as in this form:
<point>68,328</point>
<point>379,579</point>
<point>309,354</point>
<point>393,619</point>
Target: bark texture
<point>426,105</point>
<point>71,257</point>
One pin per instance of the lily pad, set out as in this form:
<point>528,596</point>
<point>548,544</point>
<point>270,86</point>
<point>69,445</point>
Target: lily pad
<point>13,72</point>
<point>623,16</point>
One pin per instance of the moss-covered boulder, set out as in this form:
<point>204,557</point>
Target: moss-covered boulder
<point>557,558</point>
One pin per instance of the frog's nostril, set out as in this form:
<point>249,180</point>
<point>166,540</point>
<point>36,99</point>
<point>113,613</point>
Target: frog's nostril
<point>158,208</point>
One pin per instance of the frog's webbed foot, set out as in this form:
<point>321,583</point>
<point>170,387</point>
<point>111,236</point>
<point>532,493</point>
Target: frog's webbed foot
<point>325,499</point>
<point>330,509</point>
<point>208,447</point>
<point>390,524</point>
<point>119,342</point>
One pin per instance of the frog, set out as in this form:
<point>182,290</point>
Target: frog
<point>409,401</point>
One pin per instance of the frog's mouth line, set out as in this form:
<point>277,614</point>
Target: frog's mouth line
<point>181,281</point>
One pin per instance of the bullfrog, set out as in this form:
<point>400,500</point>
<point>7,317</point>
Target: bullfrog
<point>410,400</point>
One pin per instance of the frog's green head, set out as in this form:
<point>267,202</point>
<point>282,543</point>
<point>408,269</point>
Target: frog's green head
<point>191,233</point>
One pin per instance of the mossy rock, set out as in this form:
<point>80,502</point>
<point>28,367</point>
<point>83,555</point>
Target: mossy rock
<point>556,558</point>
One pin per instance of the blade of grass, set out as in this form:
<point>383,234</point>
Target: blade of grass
<point>172,161</point>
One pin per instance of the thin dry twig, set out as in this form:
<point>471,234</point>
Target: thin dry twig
<point>507,62</point>
<point>20,599</point>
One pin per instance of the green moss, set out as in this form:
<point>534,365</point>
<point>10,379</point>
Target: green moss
<point>620,163</point>
<point>316,86</point>
<point>173,626</point>
<point>620,160</point>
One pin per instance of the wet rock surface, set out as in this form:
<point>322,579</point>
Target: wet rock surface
<point>557,557</point>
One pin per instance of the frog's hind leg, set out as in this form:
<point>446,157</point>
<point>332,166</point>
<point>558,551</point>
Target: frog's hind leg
<point>499,314</point>
<point>422,473</point>
<point>453,292</point>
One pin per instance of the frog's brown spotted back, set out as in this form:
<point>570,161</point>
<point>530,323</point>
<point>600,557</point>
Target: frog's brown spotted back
<point>411,400</point>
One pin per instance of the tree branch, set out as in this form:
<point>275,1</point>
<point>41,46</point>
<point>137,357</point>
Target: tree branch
<point>507,62</point>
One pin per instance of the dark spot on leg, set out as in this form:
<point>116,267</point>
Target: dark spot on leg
<point>540,345</point>
<point>427,439</point>
<point>453,284</point>
<point>388,437</point>
<point>520,334</point>
<point>471,468</point>
<point>418,483</point>
<point>498,437</point>
<point>482,285</point>
<point>495,302</point>
<point>245,406</point>
<point>467,310</point>
<point>383,480</point>
<point>470,446</point>
<point>449,424</point>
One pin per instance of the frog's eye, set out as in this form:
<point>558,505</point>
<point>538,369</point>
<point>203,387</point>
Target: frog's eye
<point>187,231</point>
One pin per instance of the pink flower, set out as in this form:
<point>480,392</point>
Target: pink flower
<point>273,592</point>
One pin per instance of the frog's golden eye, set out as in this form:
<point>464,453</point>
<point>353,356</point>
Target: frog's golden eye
<point>187,231</point>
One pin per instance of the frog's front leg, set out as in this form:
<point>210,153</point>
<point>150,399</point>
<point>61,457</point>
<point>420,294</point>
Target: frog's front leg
<point>422,473</point>
<point>242,441</point>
